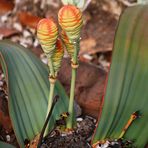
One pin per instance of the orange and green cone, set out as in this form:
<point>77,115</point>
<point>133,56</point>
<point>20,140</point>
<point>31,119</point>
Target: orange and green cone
<point>47,34</point>
<point>70,20</point>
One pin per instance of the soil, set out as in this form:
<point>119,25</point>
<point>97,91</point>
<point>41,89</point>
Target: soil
<point>78,138</point>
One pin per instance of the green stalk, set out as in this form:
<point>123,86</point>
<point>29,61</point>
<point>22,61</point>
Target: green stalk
<point>72,89</point>
<point>71,101</point>
<point>50,64</point>
<point>52,81</point>
<point>52,85</point>
<point>50,98</point>
<point>50,101</point>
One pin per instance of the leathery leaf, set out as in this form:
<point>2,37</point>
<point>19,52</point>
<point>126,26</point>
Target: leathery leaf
<point>127,86</point>
<point>5,145</point>
<point>28,90</point>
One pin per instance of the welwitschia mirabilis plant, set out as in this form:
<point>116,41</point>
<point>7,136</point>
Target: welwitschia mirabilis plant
<point>70,20</point>
<point>127,87</point>
<point>28,90</point>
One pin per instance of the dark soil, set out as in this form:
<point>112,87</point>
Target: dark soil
<point>78,138</point>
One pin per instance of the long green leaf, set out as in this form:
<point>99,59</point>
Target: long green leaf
<point>5,145</point>
<point>28,87</point>
<point>127,87</point>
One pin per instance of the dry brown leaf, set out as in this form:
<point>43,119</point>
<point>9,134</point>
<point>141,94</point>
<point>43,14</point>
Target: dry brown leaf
<point>87,45</point>
<point>34,142</point>
<point>5,122</point>
<point>5,6</point>
<point>37,51</point>
<point>28,19</point>
<point>7,32</point>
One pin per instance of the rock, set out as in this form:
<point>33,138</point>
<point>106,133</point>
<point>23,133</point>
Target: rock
<point>89,85</point>
<point>8,138</point>
<point>78,109</point>
<point>79,119</point>
<point>18,26</point>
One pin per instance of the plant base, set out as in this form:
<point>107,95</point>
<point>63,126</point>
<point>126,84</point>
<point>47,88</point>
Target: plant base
<point>78,138</point>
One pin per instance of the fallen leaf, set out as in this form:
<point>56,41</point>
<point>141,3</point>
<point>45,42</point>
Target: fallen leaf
<point>7,32</point>
<point>5,6</point>
<point>28,19</point>
<point>87,45</point>
<point>37,51</point>
<point>5,122</point>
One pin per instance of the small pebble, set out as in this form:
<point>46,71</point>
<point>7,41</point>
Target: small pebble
<point>4,18</point>
<point>105,145</point>
<point>26,42</point>
<point>8,138</point>
<point>77,109</point>
<point>88,57</point>
<point>26,33</point>
<point>18,26</point>
<point>114,142</point>
<point>6,97</point>
<point>36,43</point>
<point>78,125</point>
<point>1,83</point>
<point>79,119</point>
<point>44,58</point>
<point>2,76</point>
<point>63,134</point>
<point>93,119</point>
<point>1,36</point>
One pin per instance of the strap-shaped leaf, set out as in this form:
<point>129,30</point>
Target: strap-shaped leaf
<point>28,87</point>
<point>5,145</point>
<point>127,86</point>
